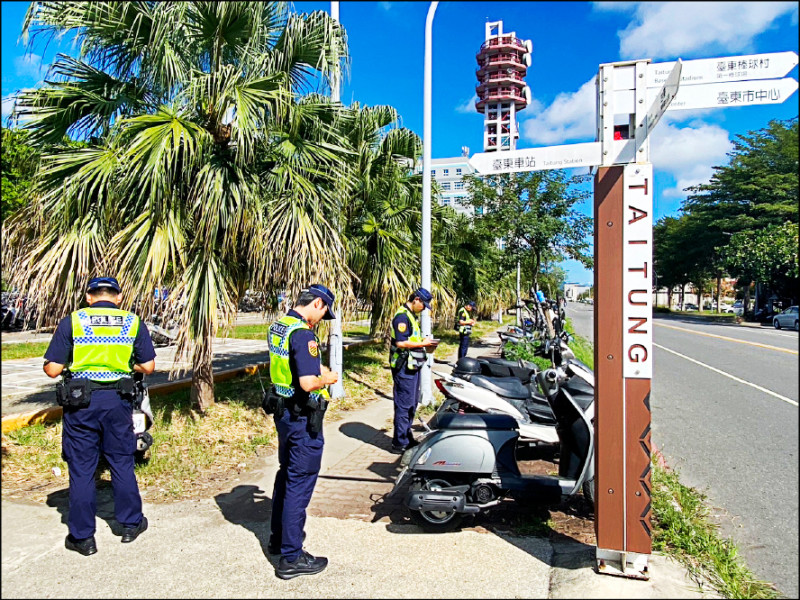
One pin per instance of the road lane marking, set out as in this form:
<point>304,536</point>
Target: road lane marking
<point>758,387</point>
<point>730,339</point>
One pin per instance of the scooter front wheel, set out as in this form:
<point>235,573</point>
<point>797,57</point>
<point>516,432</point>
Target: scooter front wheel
<point>434,521</point>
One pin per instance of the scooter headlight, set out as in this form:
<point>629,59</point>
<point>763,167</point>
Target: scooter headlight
<point>421,460</point>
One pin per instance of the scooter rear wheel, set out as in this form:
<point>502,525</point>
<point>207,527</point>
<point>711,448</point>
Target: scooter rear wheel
<point>435,521</point>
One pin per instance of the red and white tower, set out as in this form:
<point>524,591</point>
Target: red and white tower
<point>502,63</point>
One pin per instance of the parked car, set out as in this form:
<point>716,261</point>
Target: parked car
<point>690,306</point>
<point>738,308</point>
<point>788,318</point>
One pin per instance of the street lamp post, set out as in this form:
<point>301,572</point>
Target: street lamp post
<point>336,351</point>
<point>425,383</point>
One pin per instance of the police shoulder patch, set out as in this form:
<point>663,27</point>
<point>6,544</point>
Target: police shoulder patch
<point>313,348</point>
<point>401,327</point>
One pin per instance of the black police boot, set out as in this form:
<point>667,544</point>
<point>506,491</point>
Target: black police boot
<point>398,449</point>
<point>412,441</point>
<point>304,565</point>
<point>131,533</point>
<point>86,546</point>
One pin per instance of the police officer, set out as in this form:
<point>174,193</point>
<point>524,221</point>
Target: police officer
<point>465,323</point>
<point>97,349</point>
<point>407,355</point>
<point>301,381</point>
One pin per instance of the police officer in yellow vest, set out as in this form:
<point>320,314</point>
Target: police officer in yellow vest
<point>98,349</point>
<point>300,386</point>
<point>407,355</point>
<point>465,323</point>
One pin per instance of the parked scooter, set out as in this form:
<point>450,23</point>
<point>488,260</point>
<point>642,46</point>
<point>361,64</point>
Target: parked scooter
<point>469,465</point>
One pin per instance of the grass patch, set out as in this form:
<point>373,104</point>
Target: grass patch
<point>683,530</point>
<point>24,350</point>
<point>259,332</point>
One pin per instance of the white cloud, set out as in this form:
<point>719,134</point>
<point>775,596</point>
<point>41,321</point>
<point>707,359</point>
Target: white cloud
<point>673,29</point>
<point>688,153</point>
<point>28,65</point>
<point>8,105</point>
<point>570,117</point>
<point>468,106</point>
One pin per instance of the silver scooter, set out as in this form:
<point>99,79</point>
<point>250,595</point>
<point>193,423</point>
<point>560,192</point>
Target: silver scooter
<point>469,464</point>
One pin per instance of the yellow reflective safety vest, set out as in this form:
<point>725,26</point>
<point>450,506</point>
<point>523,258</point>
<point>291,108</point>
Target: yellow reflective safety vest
<point>463,315</point>
<point>416,356</point>
<point>280,372</point>
<point>103,343</point>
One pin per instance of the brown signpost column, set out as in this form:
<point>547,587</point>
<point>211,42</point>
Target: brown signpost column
<point>623,358</point>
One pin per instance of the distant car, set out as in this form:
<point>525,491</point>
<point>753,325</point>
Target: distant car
<point>788,318</point>
<point>738,308</point>
<point>689,306</point>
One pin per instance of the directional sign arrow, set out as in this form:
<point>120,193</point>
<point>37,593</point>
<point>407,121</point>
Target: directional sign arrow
<point>726,68</point>
<point>735,93</point>
<point>665,96</point>
<point>537,159</point>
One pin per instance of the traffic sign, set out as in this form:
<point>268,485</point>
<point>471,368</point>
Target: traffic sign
<point>734,93</point>
<point>665,96</point>
<point>726,68</point>
<point>537,159</point>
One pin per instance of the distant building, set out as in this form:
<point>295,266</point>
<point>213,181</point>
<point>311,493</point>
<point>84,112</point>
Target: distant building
<point>573,291</point>
<point>449,174</point>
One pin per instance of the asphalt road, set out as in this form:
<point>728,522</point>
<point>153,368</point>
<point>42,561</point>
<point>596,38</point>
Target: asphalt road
<point>725,415</point>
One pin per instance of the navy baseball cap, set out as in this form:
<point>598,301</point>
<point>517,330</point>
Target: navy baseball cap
<point>425,296</point>
<point>96,283</point>
<point>320,291</point>
<point>472,303</point>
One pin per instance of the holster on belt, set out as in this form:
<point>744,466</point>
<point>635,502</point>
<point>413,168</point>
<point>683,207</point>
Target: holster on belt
<point>317,415</point>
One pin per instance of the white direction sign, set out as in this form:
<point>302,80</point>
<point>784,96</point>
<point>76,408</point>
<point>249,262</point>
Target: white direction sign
<point>537,159</point>
<point>735,93</point>
<point>726,68</point>
<point>664,98</point>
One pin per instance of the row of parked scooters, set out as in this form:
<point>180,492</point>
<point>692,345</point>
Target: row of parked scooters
<point>466,462</point>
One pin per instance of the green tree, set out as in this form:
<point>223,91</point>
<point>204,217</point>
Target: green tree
<point>204,162</point>
<point>19,163</point>
<point>769,256</point>
<point>534,215</point>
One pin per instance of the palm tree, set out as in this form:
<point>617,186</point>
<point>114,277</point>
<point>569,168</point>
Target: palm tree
<point>384,219</point>
<point>202,159</point>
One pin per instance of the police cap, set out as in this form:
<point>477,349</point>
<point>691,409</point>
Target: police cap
<point>425,296</point>
<point>95,283</point>
<point>320,291</point>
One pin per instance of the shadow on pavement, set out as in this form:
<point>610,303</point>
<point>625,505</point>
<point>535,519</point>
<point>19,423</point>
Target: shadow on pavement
<point>105,505</point>
<point>250,507</point>
<point>367,434</point>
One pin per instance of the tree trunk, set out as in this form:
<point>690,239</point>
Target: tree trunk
<point>669,297</point>
<point>202,394</point>
<point>683,293</point>
<point>746,303</point>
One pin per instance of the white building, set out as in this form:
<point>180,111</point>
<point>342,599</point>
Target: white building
<point>573,291</point>
<point>449,175</point>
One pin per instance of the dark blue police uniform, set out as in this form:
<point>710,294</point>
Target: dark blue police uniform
<point>406,389</point>
<point>106,426</point>
<point>299,452</point>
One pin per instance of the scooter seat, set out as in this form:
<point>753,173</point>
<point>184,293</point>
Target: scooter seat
<point>507,387</point>
<point>477,421</point>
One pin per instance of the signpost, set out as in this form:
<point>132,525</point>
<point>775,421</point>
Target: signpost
<point>725,69</point>
<point>734,93</point>
<point>638,92</point>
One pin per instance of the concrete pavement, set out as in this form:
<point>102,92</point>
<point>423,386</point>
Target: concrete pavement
<point>216,546</point>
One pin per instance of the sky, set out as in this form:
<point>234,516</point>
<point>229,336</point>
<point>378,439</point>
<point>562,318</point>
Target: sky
<point>570,40</point>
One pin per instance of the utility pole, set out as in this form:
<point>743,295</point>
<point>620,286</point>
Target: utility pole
<point>336,351</point>
<point>425,375</point>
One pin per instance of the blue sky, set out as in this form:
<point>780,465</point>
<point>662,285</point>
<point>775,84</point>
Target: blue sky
<point>570,40</point>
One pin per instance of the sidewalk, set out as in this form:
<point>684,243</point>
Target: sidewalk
<point>216,547</point>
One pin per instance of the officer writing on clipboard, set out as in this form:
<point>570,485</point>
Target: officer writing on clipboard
<point>407,355</point>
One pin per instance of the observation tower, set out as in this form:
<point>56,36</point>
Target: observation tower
<point>503,61</point>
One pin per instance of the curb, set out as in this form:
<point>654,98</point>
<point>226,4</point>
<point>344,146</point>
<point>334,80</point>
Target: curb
<point>18,421</point>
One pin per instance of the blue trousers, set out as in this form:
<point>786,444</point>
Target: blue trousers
<point>106,426</point>
<point>406,397</point>
<point>463,345</point>
<point>300,457</point>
